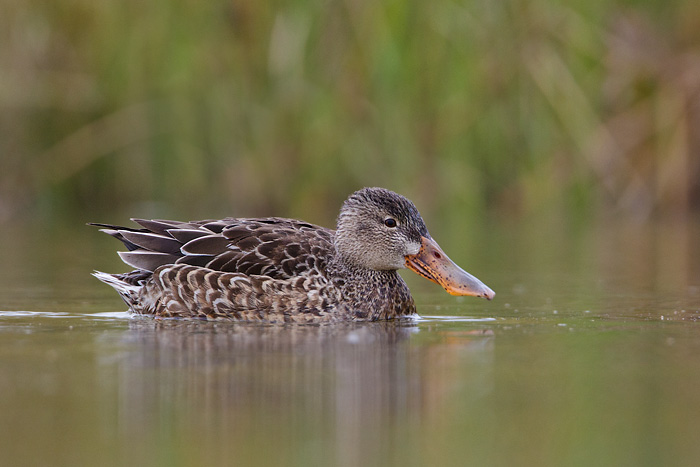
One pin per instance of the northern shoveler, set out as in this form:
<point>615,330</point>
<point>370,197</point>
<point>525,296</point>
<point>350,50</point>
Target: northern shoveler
<point>283,270</point>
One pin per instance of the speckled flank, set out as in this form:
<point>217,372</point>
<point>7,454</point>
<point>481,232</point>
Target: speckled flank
<point>195,292</point>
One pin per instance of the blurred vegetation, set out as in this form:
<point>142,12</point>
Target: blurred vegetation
<point>204,109</point>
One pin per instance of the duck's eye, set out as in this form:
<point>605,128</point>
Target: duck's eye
<point>390,222</point>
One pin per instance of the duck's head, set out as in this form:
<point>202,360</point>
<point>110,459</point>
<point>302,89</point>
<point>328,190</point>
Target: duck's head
<point>382,230</point>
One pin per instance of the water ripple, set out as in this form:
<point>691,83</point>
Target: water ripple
<point>452,319</point>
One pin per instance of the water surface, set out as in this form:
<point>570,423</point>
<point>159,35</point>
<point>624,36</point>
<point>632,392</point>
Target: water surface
<point>589,355</point>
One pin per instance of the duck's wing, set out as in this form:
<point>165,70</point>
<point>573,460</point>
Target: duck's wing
<point>275,247</point>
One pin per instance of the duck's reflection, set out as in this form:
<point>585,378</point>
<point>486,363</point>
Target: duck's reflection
<point>346,386</point>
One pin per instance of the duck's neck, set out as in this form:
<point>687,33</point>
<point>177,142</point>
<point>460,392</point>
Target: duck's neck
<point>371,294</point>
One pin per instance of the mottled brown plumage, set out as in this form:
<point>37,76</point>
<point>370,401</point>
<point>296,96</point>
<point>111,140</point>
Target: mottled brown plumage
<point>279,270</point>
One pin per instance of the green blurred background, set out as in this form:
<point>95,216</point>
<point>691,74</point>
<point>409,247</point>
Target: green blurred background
<point>245,108</point>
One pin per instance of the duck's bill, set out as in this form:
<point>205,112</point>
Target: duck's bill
<point>433,264</point>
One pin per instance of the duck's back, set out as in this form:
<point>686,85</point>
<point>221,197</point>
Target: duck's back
<point>274,247</point>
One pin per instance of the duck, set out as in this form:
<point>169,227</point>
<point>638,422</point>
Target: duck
<point>279,270</point>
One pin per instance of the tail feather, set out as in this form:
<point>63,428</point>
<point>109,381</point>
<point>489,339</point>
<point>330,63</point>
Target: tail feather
<point>128,285</point>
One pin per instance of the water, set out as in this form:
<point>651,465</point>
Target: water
<point>589,355</point>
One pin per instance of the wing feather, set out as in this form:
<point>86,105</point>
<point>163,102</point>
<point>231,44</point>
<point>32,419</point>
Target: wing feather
<point>153,241</point>
<point>274,247</point>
